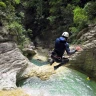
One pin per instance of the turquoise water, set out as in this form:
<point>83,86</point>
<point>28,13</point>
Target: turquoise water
<point>38,62</point>
<point>68,82</point>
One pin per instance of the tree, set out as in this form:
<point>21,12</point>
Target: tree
<point>90,9</point>
<point>80,18</point>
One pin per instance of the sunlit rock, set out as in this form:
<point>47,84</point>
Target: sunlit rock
<point>44,72</point>
<point>41,54</point>
<point>14,92</point>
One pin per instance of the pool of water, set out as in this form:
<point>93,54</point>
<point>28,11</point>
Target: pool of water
<point>38,62</point>
<point>67,82</point>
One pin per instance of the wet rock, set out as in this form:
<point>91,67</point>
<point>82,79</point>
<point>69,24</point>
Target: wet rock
<point>44,72</point>
<point>28,51</point>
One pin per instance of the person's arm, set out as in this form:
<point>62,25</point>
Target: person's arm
<point>69,52</point>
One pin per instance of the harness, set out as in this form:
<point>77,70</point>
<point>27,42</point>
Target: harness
<point>56,57</point>
<point>59,58</point>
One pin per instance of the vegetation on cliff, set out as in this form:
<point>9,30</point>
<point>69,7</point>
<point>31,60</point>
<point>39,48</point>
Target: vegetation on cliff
<point>43,19</point>
<point>12,20</point>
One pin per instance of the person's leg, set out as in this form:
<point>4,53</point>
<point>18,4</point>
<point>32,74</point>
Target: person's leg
<point>51,62</point>
<point>64,61</point>
<point>52,58</point>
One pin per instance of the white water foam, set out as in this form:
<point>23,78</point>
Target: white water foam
<point>40,92</point>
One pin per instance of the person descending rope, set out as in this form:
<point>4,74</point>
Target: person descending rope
<point>61,45</point>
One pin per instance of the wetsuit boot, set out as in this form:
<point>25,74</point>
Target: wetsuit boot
<point>64,61</point>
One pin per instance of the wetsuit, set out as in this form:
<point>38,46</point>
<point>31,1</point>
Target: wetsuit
<point>61,46</point>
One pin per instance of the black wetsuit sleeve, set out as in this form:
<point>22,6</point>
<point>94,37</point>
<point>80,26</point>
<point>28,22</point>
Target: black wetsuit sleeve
<point>69,52</point>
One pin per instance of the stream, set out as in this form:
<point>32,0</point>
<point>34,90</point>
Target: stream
<point>67,82</point>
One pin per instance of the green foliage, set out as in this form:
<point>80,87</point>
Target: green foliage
<point>29,32</point>
<point>2,15</point>
<point>2,4</point>
<point>75,1</point>
<point>17,30</point>
<point>55,2</point>
<point>21,14</point>
<point>17,1</point>
<point>80,21</point>
<point>51,19</point>
<point>28,4</point>
<point>79,15</point>
<point>12,21</point>
<point>43,16</point>
<point>90,9</point>
<point>73,29</point>
<point>53,10</point>
<point>80,18</point>
<point>26,41</point>
<point>15,27</point>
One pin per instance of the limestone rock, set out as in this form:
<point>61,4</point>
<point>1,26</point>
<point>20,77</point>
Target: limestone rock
<point>41,54</point>
<point>11,64</point>
<point>44,72</point>
<point>15,66</point>
<point>15,92</point>
<point>29,51</point>
<point>86,59</point>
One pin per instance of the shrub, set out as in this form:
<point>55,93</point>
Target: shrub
<point>90,9</point>
<point>2,4</point>
<point>79,15</point>
<point>80,18</point>
<point>73,29</point>
<point>17,1</point>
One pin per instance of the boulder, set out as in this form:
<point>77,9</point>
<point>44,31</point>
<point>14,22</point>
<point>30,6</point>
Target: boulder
<point>29,51</point>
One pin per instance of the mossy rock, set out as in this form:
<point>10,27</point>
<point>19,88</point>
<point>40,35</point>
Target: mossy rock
<point>28,52</point>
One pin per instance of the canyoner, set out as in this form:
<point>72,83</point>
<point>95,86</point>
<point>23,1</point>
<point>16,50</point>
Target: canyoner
<point>61,45</point>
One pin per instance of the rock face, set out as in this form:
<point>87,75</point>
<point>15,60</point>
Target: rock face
<point>29,50</point>
<point>86,59</point>
<point>12,62</point>
<point>14,66</point>
<point>41,54</point>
